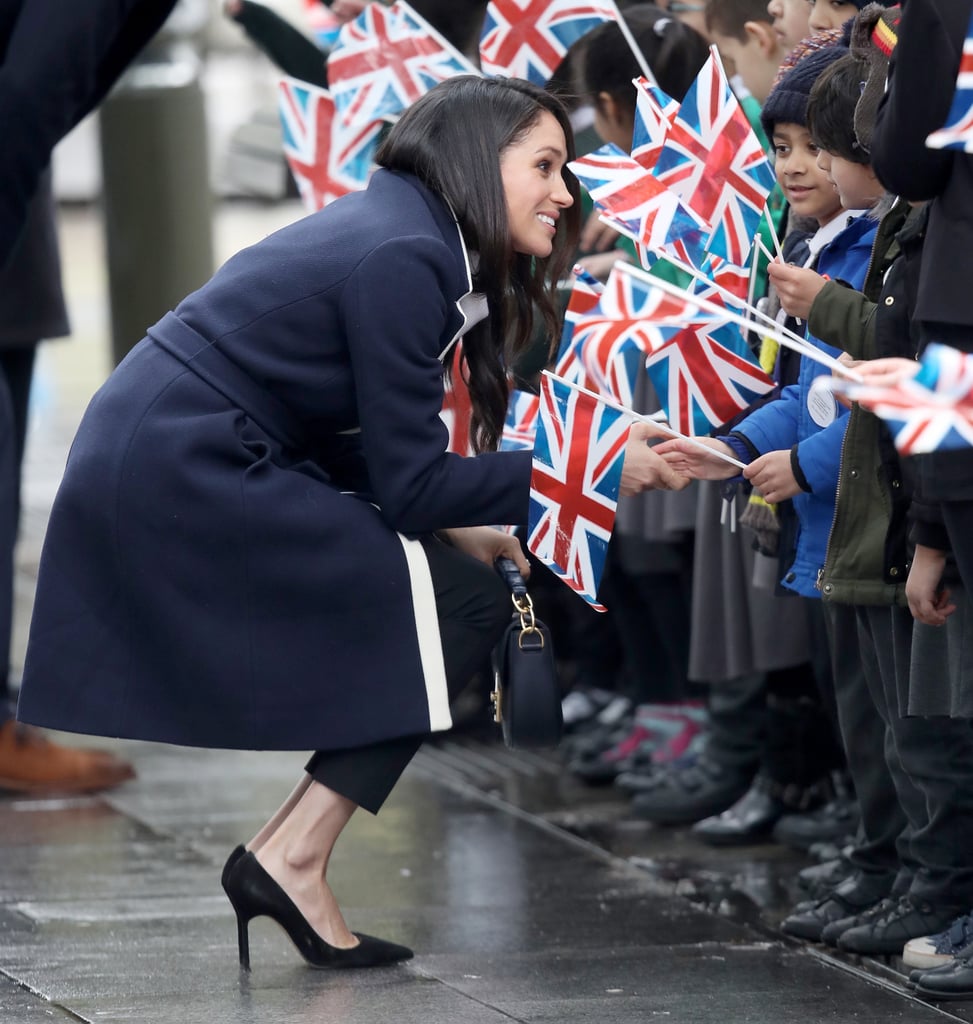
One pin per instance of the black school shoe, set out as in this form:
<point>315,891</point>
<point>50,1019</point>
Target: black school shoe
<point>853,896</point>
<point>835,822</point>
<point>683,794</point>
<point>830,933</point>
<point>952,981</point>
<point>887,934</point>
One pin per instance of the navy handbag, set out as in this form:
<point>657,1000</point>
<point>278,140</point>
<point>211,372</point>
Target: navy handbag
<point>526,695</point>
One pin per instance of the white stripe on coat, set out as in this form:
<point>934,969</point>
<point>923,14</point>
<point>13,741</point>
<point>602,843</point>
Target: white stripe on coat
<point>427,634</point>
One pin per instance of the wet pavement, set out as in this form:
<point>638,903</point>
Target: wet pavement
<point>526,896</point>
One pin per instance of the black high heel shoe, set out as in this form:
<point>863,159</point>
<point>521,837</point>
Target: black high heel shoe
<point>253,893</point>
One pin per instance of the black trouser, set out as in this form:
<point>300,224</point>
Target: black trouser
<point>882,845</point>
<point>473,606</point>
<point>16,368</point>
<point>917,801</point>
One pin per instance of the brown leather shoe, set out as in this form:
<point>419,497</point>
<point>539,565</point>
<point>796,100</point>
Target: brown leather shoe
<point>31,763</point>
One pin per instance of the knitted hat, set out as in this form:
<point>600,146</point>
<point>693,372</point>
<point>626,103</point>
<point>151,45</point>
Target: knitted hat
<point>787,102</point>
<point>873,38</point>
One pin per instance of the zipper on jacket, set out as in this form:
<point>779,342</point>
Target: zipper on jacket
<point>819,585</point>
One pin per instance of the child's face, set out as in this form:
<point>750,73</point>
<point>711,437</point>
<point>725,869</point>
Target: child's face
<point>825,14</point>
<point>806,187</point>
<point>856,184</point>
<point>790,18</point>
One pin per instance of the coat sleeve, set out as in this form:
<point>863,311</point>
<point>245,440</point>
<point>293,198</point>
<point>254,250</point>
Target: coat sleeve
<point>774,426</point>
<point>820,457</point>
<point>843,318</point>
<point>917,102</point>
<point>59,60</point>
<point>396,306</point>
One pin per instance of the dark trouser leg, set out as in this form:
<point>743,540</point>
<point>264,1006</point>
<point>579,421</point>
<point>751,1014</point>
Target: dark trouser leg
<point>16,367</point>
<point>738,722</point>
<point>860,701</point>
<point>936,755</point>
<point>473,606</point>
<point>958,517</point>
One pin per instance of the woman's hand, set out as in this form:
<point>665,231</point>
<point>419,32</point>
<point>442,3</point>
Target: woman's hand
<point>773,476</point>
<point>796,287</point>
<point>694,461</point>
<point>643,469</point>
<point>487,545</point>
<point>928,600</point>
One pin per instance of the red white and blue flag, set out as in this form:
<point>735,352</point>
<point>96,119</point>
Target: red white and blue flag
<point>932,411</point>
<point>529,38</point>
<point>326,159</point>
<point>457,411</point>
<point>700,365</point>
<point>958,131</point>
<point>716,164</point>
<point>577,469</point>
<point>609,341</point>
<point>585,292</point>
<point>705,374</point>
<point>385,60</point>
<point>634,202</point>
<point>520,426</point>
<point>655,111</point>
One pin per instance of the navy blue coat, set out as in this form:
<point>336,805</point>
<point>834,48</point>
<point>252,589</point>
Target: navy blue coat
<point>231,558</point>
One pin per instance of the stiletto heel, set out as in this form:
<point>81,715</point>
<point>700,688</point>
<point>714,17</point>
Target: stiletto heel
<point>242,921</point>
<point>253,893</point>
<point>243,940</point>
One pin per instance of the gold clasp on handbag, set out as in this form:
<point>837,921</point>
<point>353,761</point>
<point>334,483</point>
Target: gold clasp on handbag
<point>525,609</point>
<point>496,699</point>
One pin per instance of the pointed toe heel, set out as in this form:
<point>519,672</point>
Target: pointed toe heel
<point>253,893</point>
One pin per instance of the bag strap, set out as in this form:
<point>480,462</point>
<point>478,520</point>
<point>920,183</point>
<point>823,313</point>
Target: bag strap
<point>523,605</point>
<point>510,575</point>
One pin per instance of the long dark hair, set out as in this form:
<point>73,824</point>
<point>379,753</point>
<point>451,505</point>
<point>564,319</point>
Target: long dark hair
<point>451,139</point>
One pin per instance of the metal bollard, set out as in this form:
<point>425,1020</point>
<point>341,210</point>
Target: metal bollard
<point>158,203</point>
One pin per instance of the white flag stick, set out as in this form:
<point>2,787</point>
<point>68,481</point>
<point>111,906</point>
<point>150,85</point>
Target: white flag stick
<point>798,343</point>
<point>785,338</point>
<point>634,46</point>
<point>661,425</point>
<point>773,232</point>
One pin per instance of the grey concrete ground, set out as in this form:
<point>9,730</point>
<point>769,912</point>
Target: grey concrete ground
<point>525,897</point>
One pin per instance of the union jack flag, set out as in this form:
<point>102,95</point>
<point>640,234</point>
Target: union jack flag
<point>609,341</point>
<point>520,425</point>
<point>634,202</point>
<point>584,296</point>
<point>577,469</point>
<point>932,411</point>
<point>713,160</point>
<point>385,60</point>
<point>725,277</point>
<point>457,411</point>
<point>655,110</point>
<point>705,374</point>
<point>529,38</point>
<point>327,160</point>
<point>958,132</point>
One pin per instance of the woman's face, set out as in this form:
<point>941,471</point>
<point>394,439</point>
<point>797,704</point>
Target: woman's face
<point>532,171</point>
